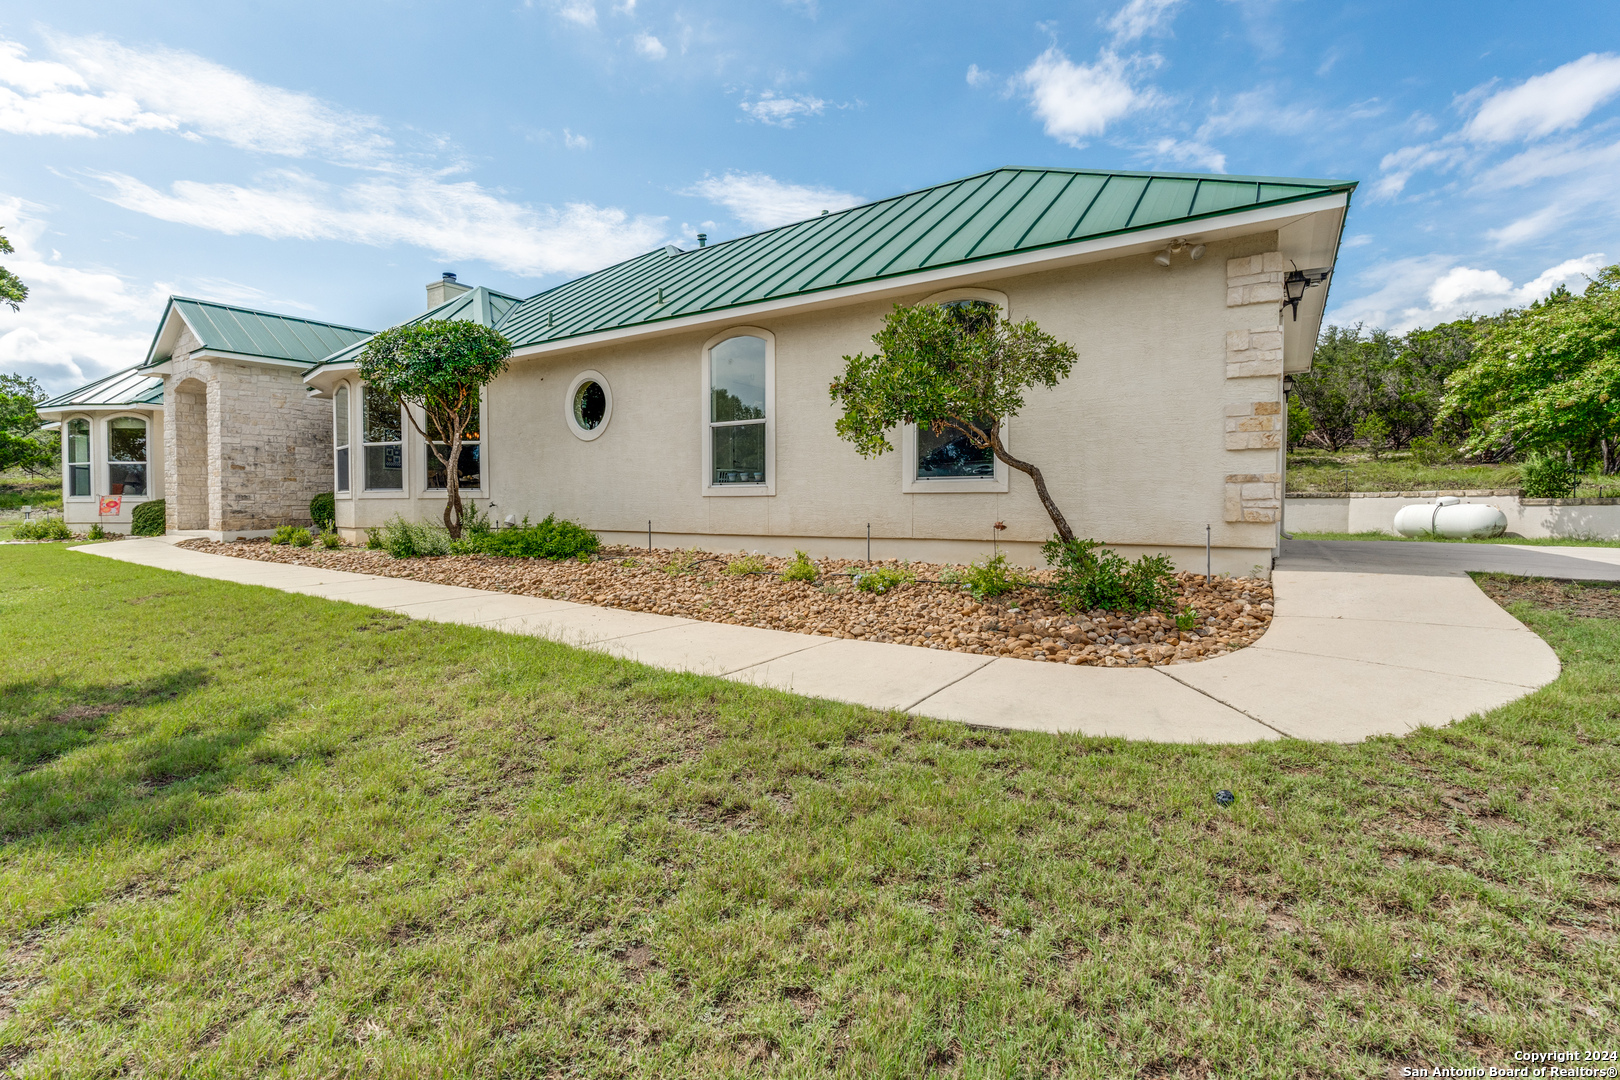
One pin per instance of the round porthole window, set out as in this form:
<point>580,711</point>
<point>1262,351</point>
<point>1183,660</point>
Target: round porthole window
<point>589,405</point>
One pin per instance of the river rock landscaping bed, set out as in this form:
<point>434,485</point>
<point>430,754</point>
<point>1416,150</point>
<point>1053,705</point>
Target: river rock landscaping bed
<point>1026,624</point>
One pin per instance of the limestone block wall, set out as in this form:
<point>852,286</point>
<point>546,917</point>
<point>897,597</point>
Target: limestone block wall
<point>1254,357</point>
<point>248,447</point>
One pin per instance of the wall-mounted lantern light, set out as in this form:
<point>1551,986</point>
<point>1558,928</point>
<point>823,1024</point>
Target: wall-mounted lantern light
<point>1296,281</point>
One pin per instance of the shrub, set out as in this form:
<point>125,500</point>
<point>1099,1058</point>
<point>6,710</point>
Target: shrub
<point>411,540</point>
<point>992,577</point>
<point>1187,618</point>
<point>550,539</point>
<point>1433,450</point>
<point>883,579</point>
<point>147,519</point>
<point>97,532</point>
<point>748,564</point>
<point>288,534</point>
<point>684,562</point>
<point>374,540</point>
<point>323,511</point>
<point>331,540</point>
<point>43,529</point>
<point>1089,577</point>
<point>1544,476</point>
<point>801,568</point>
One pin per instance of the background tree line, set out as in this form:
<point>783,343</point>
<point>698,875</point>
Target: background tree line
<point>1541,381</point>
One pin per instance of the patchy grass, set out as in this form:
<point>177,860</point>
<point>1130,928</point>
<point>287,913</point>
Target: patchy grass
<point>248,832</point>
<point>18,490</point>
<point>1358,470</point>
<point>1539,541</point>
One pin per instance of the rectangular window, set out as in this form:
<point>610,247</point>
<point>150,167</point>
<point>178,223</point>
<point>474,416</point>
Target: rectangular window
<point>950,455</point>
<point>737,373</point>
<point>470,462</point>
<point>340,436</point>
<point>382,433</point>
<point>78,455</point>
<point>126,456</point>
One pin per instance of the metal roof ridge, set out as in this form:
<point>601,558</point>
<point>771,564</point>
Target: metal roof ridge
<point>271,314</point>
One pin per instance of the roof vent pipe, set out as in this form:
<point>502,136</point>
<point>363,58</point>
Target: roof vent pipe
<point>703,239</point>
<point>448,276</point>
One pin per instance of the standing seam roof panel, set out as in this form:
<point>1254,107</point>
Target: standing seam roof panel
<point>908,245</point>
<point>1112,208</point>
<point>1005,233</point>
<point>850,245</point>
<point>1164,200</point>
<point>969,234</point>
<point>1058,221</point>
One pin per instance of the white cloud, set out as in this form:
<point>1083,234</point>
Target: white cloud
<point>1399,166</point>
<point>453,220</point>
<point>1078,101</point>
<point>762,202</point>
<point>1555,101</point>
<point>575,142</point>
<point>1189,152</point>
<point>977,76</point>
<point>579,12</point>
<point>101,87</point>
<point>1140,17</point>
<point>77,324</point>
<point>1427,290</point>
<point>650,47</point>
<point>783,111</point>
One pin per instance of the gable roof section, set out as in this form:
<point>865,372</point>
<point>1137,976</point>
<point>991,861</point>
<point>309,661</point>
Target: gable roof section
<point>480,305</point>
<point>998,213</point>
<point>122,388</point>
<point>243,331</point>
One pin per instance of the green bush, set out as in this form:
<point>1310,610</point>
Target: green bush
<point>374,540</point>
<point>883,579</point>
<point>1545,476</point>
<point>147,519</point>
<point>801,569</point>
<point>1433,450</point>
<point>1187,618</point>
<point>994,576</point>
<point>96,532</point>
<point>43,529</point>
<point>323,511</point>
<point>331,540</point>
<point>1300,422</point>
<point>410,539</point>
<point>748,564</point>
<point>1091,577</point>
<point>550,539</point>
<point>296,535</point>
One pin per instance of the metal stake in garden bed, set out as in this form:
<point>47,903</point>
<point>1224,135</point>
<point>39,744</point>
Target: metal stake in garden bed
<point>649,534</point>
<point>1207,564</point>
<point>869,543</point>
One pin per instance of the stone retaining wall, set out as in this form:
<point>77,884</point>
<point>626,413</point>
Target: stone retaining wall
<point>1374,511</point>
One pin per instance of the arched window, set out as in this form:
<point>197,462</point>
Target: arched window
<point>340,437</point>
<point>737,406</point>
<point>383,435</point>
<point>78,455</point>
<point>126,456</point>
<point>947,461</point>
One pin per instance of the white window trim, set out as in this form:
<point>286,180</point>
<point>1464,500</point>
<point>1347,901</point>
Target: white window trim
<point>67,475</point>
<point>590,375</point>
<point>1000,480</point>
<point>107,461</point>
<point>420,443</point>
<point>404,490</point>
<point>353,394</point>
<point>769,486</point>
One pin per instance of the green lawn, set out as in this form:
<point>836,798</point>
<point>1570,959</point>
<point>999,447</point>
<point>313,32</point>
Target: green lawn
<point>18,490</point>
<point>252,833</point>
<point>1357,470</point>
<point>1538,541</point>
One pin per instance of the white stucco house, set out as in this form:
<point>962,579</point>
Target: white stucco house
<point>688,389</point>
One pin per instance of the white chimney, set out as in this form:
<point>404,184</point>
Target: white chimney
<point>446,288</point>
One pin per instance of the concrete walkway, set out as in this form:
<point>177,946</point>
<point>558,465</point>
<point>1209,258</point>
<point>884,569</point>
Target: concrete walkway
<point>1420,557</point>
<point>1349,654</point>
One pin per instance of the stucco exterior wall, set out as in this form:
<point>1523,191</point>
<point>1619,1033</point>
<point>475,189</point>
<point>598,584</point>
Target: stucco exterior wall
<point>83,511</point>
<point>1134,444</point>
<point>267,445</point>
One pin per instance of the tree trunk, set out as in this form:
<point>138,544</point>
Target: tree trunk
<point>1065,533</point>
<point>452,485</point>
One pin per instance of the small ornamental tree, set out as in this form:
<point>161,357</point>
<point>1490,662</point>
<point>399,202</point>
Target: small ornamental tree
<point>438,366</point>
<point>954,367</point>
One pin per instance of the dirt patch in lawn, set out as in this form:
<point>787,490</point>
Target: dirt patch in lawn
<point>1026,625</point>
<point>1586,599</point>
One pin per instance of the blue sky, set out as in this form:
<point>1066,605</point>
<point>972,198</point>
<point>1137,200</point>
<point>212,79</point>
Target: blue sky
<point>330,159</point>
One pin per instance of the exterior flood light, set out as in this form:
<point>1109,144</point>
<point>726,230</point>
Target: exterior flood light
<point>1296,281</point>
<point>1196,253</point>
<point>1180,244</point>
<point>1162,258</point>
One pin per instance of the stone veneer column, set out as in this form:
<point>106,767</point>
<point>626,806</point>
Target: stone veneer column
<point>1254,283</point>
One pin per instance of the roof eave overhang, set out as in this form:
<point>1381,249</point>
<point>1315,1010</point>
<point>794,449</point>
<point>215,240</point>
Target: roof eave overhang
<point>1048,258</point>
<point>62,412</point>
<point>323,380</point>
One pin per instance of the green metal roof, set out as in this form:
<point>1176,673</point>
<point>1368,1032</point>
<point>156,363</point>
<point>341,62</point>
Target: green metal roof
<point>480,305</point>
<point>225,328</point>
<point>127,387</point>
<point>1002,212</point>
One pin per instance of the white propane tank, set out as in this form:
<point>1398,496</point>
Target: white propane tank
<point>1449,517</point>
